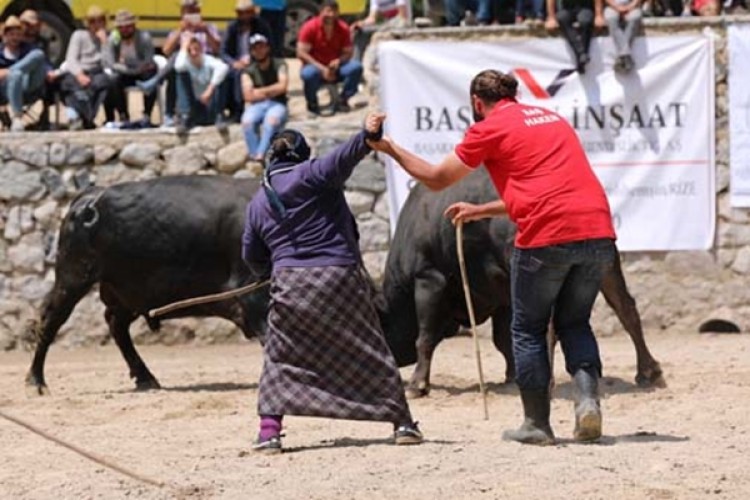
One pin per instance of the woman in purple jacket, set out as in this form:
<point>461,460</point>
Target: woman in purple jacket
<point>325,354</point>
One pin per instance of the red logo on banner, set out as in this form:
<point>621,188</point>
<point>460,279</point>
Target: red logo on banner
<point>536,89</point>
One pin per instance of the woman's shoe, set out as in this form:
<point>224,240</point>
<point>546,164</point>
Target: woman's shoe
<point>408,434</point>
<point>270,446</point>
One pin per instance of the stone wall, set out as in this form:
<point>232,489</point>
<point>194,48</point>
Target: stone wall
<point>677,290</point>
<point>41,173</point>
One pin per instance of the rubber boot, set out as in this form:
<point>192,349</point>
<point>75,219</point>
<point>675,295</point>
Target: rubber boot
<point>535,428</point>
<point>587,409</point>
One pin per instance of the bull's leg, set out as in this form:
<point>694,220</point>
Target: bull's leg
<point>502,339</point>
<point>56,309</point>
<point>618,297</point>
<point>429,291</point>
<point>119,327</point>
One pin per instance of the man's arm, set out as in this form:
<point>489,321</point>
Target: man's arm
<point>467,212</point>
<point>281,86</point>
<point>435,177</point>
<point>71,56</point>
<point>172,43</point>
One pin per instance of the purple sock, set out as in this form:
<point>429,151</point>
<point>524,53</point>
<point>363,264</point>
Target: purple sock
<point>270,426</point>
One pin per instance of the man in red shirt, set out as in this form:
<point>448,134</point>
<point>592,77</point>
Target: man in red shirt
<point>564,243</point>
<point>325,47</point>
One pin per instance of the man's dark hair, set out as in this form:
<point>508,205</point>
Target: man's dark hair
<point>330,3</point>
<point>491,85</point>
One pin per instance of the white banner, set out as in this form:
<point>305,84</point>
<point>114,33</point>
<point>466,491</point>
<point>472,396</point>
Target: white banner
<point>649,135</point>
<point>739,114</point>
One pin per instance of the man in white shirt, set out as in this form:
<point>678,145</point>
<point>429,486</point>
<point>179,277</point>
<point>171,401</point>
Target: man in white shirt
<point>200,95</point>
<point>383,14</point>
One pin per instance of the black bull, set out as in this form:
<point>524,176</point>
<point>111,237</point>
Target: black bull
<point>151,243</point>
<point>423,290</point>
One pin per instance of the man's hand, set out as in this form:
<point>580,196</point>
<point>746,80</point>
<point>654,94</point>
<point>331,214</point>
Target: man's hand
<point>335,64</point>
<point>550,23</point>
<point>374,125</point>
<point>384,145</point>
<point>463,212</point>
<point>4,73</point>
<point>599,21</point>
<point>205,97</point>
<point>83,79</point>
<point>240,64</point>
<point>329,75</point>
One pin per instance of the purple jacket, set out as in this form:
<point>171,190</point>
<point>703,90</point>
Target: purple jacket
<point>319,229</point>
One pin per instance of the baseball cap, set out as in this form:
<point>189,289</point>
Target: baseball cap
<point>257,38</point>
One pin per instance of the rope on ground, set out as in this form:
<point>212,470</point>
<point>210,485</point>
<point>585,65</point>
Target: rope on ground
<point>205,299</point>
<point>470,308</point>
<point>87,454</point>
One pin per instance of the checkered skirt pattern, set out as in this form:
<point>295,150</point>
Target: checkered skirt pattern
<point>325,353</point>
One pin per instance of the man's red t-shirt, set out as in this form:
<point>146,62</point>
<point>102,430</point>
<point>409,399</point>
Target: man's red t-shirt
<point>323,49</point>
<point>542,174</point>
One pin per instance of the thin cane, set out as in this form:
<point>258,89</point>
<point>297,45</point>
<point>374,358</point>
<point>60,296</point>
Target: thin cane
<point>205,299</point>
<point>470,308</point>
<point>87,454</point>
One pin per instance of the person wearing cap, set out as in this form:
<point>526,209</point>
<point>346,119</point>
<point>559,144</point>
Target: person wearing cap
<point>22,71</point>
<point>273,12</point>
<point>199,87</point>
<point>325,48</point>
<point>325,353</point>
<point>85,85</point>
<point>192,26</point>
<point>31,29</point>
<point>264,87</point>
<point>235,50</point>
<point>32,35</point>
<point>129,55</point>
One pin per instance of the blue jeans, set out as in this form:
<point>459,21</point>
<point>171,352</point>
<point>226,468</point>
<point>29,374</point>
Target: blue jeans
<point>312,78</point>
<point>271,116</point>
<point>455,10</point>
<point>188,103</point>
<point>25,82</point>
<point>558,282</point>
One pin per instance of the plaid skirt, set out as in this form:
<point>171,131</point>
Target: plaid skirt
<point>325,353</point>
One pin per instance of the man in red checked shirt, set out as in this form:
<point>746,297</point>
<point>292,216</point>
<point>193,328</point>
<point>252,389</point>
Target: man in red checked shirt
<point>325,47</point>
<point>564,243</point>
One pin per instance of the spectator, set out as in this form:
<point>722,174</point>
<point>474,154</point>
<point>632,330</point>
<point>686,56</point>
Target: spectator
<point>129,54</point>
<point>383,14</point>
<point>199,79</point>
<point>325,48</point>
<point>264,86</point>
<point>32,35</point>
<point>191,26</point>
<point>273,12</point>
<point>235,50</point>
<point>587,13</point>
<point>22,71</point>
<point>702,8</point>
<point>85,85</point>
<point>467,12</point>
<point>537,11</point>
<point>624,20</point>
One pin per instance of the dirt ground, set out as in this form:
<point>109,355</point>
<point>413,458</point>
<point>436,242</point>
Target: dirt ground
<point>688,440</point>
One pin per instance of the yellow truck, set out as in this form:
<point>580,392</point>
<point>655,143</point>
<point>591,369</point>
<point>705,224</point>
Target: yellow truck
<point>61,17</point>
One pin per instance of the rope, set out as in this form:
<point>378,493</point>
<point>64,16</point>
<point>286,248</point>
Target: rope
<point>87,454</point>
<point>205,299</point>
<point>470,308</point>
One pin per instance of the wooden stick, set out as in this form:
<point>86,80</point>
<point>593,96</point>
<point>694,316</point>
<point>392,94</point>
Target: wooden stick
<point>205,299</point>
<point>87,454</point>
<point>470,308</point>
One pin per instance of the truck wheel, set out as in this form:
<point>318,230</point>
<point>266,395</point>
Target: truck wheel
<point>297,12</point>
<point>57,34</point>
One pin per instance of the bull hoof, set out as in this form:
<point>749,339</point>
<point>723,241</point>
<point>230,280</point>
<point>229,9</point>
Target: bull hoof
<point>35,388</point>
<point>416,393</point>
<point>147,385</point>
<point>651,378</point>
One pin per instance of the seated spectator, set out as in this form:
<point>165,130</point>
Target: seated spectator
<point>85,84</point>
<point>22,72</point>
<point>587,13</point>
<point>624,20</point>
<point>199,95</point>
<point>702,8</point>
<point>325,48</point>
<point>467,12</point>
<point>32,35</point>
<point>129,55</point>
<point>383,14</point>
<point>273,12</point>
<point>534,14</point>
<point>191,26</point>
<point>235,50</point>
<point>264,87</point>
